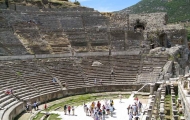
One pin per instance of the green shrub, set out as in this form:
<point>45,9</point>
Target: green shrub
<point>77,2</point>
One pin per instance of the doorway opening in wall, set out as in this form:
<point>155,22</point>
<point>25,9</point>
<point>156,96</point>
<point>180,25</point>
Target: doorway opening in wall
<point>163,40</point>
<point>139,27</point>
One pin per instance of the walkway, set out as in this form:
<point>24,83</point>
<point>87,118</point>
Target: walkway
<point>119,114</point>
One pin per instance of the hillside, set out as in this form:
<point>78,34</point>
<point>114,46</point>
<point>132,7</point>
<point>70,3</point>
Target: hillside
<point>43,3</point>
<point>178,10</point>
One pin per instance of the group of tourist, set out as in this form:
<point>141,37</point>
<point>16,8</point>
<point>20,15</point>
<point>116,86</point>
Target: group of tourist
<point>8,91</point>
<point>134,109</point>
<point>98,110</point>
<point>34,106</point>
<point>69,109</point>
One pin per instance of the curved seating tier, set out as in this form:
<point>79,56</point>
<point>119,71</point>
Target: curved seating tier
<point>33,78</point>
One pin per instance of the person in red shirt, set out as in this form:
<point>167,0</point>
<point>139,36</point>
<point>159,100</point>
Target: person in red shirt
<point>69,109</point>
<point>8,91</point>
<point>136,98</point>
<point>45,106</point>
<point>98,105</point>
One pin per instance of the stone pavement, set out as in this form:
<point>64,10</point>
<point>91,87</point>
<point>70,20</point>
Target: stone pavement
<point>120,112</point>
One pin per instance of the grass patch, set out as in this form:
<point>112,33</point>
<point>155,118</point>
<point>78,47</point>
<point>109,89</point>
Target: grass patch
<point>80,99</point>
<point>54,117</point>
<point>38,116</point>
<point>168,108</point>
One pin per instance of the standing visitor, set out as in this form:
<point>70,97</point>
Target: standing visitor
<point>107,109</point>
<point>65,109</point>
<point>27,107</point>
<point>111,110</point>
<point>84,106</point>
<point>120,98</point>
<point>34,105</point>
<point>98,104</point>
<point>100,114</point>
<point>95,81</point>
<point>134,109</point>
<point>95,116</point>
<point>130,116</point>
<point>45,106</point>
<point>54,80</point>
<point>128,109</point>
<point>87,111</point>
<point>103,114</point>
<point>106,101</point>
<point>73,110</point>
<point>37,105</point>
<point>69,109</point>
<point>140,107</point>
<point>136,99</point>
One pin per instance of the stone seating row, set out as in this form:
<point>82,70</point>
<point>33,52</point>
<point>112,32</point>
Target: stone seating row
<point>175,115</point>
<point>75,73</point>
<point>61,13</point>
<point>105,72</point>
<point>67,73</point>
<point>162,101</point>
<point>7,37</point>
<point>151,68</point>
<point>18,86</point>
<point>35,76</point>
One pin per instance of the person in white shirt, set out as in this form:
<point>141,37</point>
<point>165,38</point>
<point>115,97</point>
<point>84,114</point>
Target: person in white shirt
<point>106,101</point>
<point>111,110</point>
<point>120,98</point>
<point>130,116</point>
<point>73,110</point>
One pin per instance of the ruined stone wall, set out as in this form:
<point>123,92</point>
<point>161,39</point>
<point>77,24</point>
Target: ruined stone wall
<point>150,21</point>
<point>52,31</point>
<point>80,29</point>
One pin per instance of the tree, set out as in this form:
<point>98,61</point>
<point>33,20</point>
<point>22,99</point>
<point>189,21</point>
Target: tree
<point>77,2</point>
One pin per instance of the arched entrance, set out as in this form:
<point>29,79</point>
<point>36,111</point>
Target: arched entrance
<point>139,27</point>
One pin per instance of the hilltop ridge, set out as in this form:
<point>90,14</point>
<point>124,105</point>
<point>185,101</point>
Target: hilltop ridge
<point>177,10</point>
<point>43,3</point>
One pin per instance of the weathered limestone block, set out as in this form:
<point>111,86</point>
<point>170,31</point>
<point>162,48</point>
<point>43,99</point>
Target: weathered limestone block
<point>163,93</point>
<point>152,89</point>
<point>161,106</point>
<point>167,76</point>
<point>186,70</point>
<point>173,100</point>
<point>162,116</point>
<point>150,112</point>
<point>162,98</point>
<point>175,112</point>
<point>176,117</point>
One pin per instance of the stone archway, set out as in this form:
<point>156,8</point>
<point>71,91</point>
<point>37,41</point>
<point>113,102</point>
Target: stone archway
<point>139,26</point>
